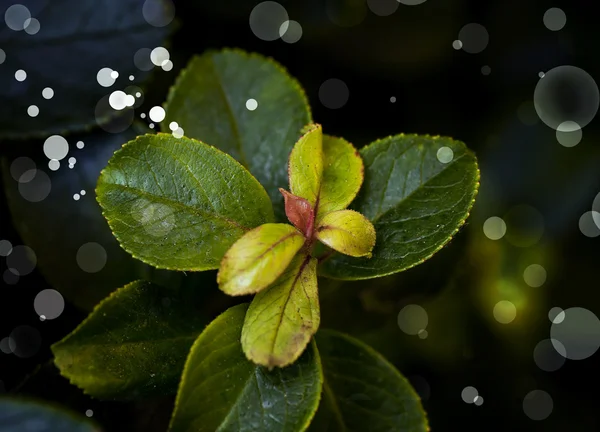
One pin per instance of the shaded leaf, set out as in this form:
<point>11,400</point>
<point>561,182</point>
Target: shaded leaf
<point>362,391</point>
<point>415,201</point>
<point>282,319</point>
<point>22,415</point>
<point>299,212</point>
<point>343,173</point>
<point>348,232</point>
<point>133,344</point>
<point>221,390</point>
<point>177,203</point>
<point>209,102</point>
<point>258,258</point>
<point>68,224</point>
<point>66,55</point>
<point>306,165</point>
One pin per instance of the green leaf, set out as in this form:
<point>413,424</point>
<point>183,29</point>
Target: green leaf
<point>362,391</point>
<point>22,415</point>
<point>348,232</point>
<point>415,202</point>
<point>209,102</point>
<point>177,203</point>
<point>282,319</point>
<point>343,174</point>
<point>76,39</point>
<point>133,344</point>
<point>306,165</point>
<point>258,258</point>
<point>221,390</point>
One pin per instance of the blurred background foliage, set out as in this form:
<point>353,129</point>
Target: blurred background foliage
<point>407,55</point>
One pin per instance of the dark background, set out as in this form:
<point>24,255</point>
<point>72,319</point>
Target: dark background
<point>439,90</point>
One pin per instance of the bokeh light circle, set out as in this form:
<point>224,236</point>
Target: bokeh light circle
<point>469,394</point>
<point>505,312</point>
<point>16,17</point>
<point>25,341</point>
<point>535,275</point>
<point>578,332</point>
<point>32,26</point>
<point>588,224</point>
<point>412,319</point>
<point>445,155</point>
<point>538,405</point>
<point>556,315</point>
<point>22,259</point>
<point>547,357</point>
<point>49,303</point>
<point>34,185</point>
<point>290,31</point>
<point>5,248</point>
<point>596,210</point>
<point>412,2</point>
<point>158,13</point>
<point>266,19</point>
<point>474,38</point>
<point>569,134</point>
<point>494,228</point>
<point>56,147</point>
<point>566,94</point>
<point>554,19</point>
<point>334,93</point>
<point>383,7</point>
<point>141,59</point>
<point>91,257</point>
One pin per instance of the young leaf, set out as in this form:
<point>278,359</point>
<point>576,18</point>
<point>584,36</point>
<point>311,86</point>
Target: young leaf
<point>362,391</point>
<point>306,165</point>
<point>177,203</point>
<point>258,258</point>
<point>348,232</point>
<point>343,173</point>
<point>282,319</point>
<point>22,415</point>
<point>299,212</point>
<point>133,344</point>
<point>209,101</point>
<point>221,390</point>
<point>415,201</point>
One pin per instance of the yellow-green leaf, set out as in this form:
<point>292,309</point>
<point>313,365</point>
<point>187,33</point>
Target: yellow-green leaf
<point>306,165</point>
<point>258,258</point>
<point>348,232</point>
<point>343,174</point>
<point>281,319</point>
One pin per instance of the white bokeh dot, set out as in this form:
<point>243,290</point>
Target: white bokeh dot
<point>33,110</point>
<point>49,303</point>
<point>157,114</point>
<point>494,228</point>
<point>104,77</point>
<point>20,75</point>
<point>505,312</point>
<point>445,155</point>
<point>534,275</point>
<point>56,147</point>
<point>555,19</point>
<point>251,104</point>
<point>412,319</point>
<point>47,93</point>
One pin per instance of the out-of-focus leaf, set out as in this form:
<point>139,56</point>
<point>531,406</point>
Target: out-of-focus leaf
<point>75,40</point>
<point>306,165</point>
<point>133,344</point>
<point>58,226</point>
<point>22,415</point>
